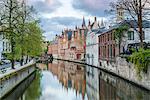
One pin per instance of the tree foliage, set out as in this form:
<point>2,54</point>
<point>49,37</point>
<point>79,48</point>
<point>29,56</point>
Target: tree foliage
<point>21,30</point>
<point>120,33</point>
<point>141,60</point>
<point>33,39</point>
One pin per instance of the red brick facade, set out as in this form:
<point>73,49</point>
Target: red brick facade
<point>70,44</point>
<point>53,49</point>
<point>108,49</point>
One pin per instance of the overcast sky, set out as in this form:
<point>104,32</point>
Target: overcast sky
<point>56,15</point>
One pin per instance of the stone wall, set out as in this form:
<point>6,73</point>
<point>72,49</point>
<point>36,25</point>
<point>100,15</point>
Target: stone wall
<point>11,79</point>
<point>127,70</point>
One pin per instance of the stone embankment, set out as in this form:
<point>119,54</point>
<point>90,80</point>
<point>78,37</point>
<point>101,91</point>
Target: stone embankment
<point>10,79</point>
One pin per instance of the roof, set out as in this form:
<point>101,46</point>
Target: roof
<point>69,35</point>
<point>83,23</point>
<point>133,23</point>
<point>99,30</point>
<point>146,24</point>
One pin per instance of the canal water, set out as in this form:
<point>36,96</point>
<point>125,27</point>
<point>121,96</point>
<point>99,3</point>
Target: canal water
<point>62,80</point>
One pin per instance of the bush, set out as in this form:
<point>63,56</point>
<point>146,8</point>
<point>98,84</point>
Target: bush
<point>141,60</point>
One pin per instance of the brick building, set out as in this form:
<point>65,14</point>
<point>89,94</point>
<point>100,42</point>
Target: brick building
<point>53,48</point>
<point>108,48</point>
<point>70,44</point>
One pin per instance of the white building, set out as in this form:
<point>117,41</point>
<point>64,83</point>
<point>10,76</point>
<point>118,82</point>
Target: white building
<point>4,46</point>
<point>92,47</point>
<point>131,37</point>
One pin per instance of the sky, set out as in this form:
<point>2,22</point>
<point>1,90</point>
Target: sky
<point>56,15</point>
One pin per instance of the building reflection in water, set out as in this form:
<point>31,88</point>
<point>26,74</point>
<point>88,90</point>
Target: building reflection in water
<point>92,83</point>
<point>70,75</point>
<point>97,84</point>
<point>69,81</point>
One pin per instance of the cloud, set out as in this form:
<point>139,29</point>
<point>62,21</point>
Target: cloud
<point>45,6</point>
<point>56,15</point>
<point>67,21</point>
<point>59,23</point>
<point>55,25</point>
<point>92,7</point>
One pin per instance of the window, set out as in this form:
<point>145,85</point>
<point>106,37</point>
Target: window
<point>108,37</point>
<point>3,46</point>
<point>6,46</point>
<point>114,51</point>
<point>87,55</point>
<point>110,50</point>
<point>114,36</point>
<point>131,35</point>
<point>111,36</point>
<point>92,59</point>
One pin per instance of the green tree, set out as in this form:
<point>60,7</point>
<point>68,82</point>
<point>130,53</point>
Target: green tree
<point>21,29</point>
<point>9,19</point>
<point>25,16</point>
<point>34,38</point>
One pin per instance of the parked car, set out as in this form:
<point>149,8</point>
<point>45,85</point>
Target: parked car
<point>5,61</point>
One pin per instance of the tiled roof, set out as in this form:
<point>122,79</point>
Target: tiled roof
<point>133,23</point>
<point>98,31</point>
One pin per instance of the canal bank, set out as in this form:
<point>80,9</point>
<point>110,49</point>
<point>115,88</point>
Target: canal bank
<point>127,73</point>
<point>10,79</point>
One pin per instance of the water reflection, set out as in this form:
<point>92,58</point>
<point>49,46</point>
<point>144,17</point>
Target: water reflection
<point>92,83</point>
<point>115,88</point>
<point>33,92</point>
<point>103,86</point>
<point>71,78</point>
<point>62,80</point>
<point>68,81</point>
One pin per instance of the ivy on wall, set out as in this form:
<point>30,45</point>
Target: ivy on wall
<point>141,60</point>
<point>120,34</point>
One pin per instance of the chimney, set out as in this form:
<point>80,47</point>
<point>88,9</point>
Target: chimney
<point>76,27</point>
<point>89,22</point>
<point>95,19</point>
